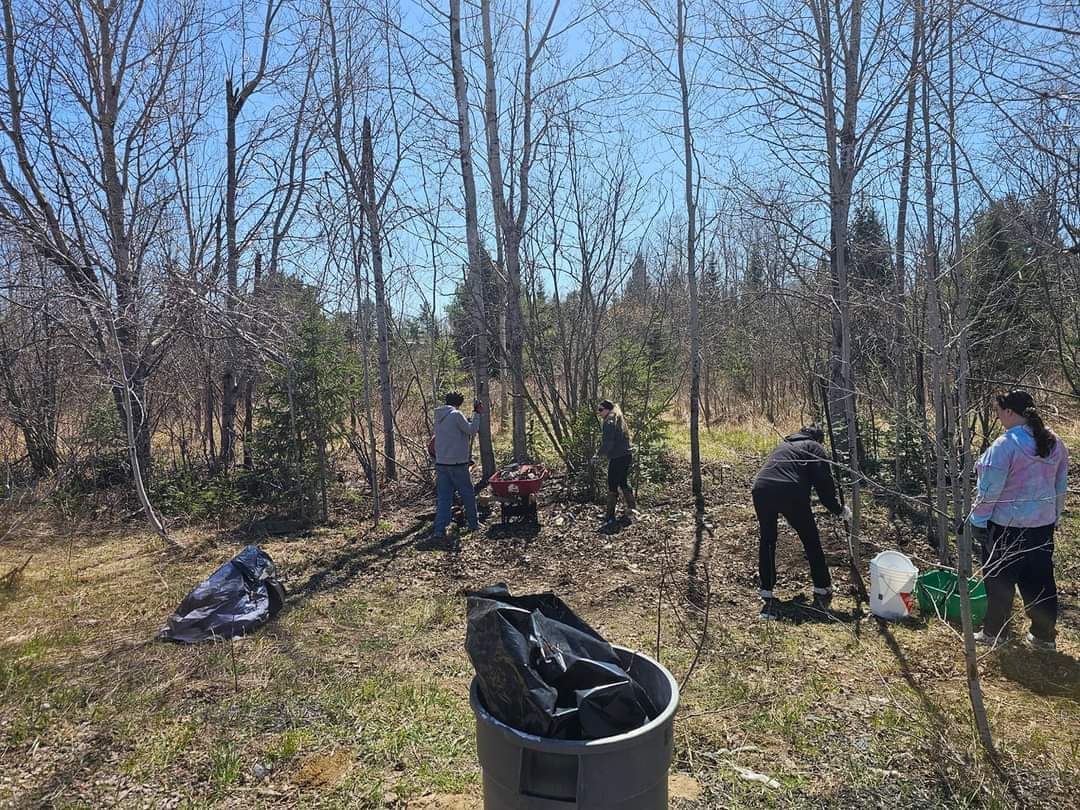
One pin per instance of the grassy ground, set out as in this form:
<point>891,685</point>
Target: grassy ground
<point>356,696</point>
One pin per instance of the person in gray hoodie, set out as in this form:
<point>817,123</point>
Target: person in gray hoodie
<point>453,443</point>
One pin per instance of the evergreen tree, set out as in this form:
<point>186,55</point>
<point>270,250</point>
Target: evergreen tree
<point>459,315</point>
<point>869,251</point>
<point>1007,324</point>
<point>637,288</point>
<point>870,267</point>
<point>303,415</point>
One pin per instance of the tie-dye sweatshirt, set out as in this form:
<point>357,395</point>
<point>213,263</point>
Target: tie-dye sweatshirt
<point>1017,487</point>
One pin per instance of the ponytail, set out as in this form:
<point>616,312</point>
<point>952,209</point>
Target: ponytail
<point>1021,402</point>
<point>1044,439</point>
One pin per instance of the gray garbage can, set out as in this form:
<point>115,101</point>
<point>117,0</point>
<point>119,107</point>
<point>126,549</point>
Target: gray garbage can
<point>526,772</point>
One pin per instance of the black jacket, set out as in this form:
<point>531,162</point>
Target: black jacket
<point>614,443</point>
<point>799,464</point>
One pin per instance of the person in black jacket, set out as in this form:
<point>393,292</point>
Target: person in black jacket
<point>782,487</point>
<point>615,447</point>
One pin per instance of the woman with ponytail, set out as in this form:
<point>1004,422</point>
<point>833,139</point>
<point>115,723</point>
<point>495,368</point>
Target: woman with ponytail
<point>615,447</point>
<point>1021,494</point>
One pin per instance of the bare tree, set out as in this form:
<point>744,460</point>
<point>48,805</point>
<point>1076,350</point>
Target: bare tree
<point>32,365</point>
<point>511,220</point>
<point>350,56</point>
<point>372,206</point>
<point>235,99</point>
<point>90,188</point>
<point>691,257</point>
<point>901,410</point>
<point>823,87</point>
<point>472,240</point>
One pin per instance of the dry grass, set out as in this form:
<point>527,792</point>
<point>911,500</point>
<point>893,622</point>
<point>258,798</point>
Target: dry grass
<point>356,696</point>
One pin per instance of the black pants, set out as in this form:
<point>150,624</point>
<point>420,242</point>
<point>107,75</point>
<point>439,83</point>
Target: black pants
<point>794,505</point>
<point>1024,557</point>
<point>618,473</point>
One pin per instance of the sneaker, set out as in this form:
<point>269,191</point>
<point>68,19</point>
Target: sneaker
<point>608,525</point>
<point>631,516</point>
<point>479,527</point>
<point>823,599</point>
<point>1039,644</point>
<point>768,610</point>
<point>987,640</point>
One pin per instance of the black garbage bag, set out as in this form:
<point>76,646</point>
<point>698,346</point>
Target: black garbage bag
<point>240,596</point>
<point>544,671</point>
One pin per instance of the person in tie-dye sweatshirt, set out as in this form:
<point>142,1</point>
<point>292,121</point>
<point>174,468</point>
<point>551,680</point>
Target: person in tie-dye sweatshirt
<point>1020,498</point>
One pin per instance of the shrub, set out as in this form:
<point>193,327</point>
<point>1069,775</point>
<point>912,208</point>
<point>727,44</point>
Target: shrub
<point>198,498</point>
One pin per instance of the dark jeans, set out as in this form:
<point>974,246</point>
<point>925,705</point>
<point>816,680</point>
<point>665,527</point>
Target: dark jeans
<point>1024,557</point>
<point>448,478</point>
<point>794,505</point>
<point>618,473</point>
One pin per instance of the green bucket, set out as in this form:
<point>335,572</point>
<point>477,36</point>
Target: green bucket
<point>938,596</point>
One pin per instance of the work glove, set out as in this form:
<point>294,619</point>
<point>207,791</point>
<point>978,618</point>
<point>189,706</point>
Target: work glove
<point>477,406</point>
<point>846,514</point>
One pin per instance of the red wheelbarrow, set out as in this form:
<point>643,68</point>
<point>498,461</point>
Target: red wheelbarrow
<point>516,489</point>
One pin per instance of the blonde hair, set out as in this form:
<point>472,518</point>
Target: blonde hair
<point>620,420</point>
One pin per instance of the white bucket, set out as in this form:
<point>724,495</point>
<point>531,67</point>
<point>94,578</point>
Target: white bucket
<point>892,585</point>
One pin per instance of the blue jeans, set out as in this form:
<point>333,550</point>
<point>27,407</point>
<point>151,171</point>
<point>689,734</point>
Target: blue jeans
<point>448,479</point>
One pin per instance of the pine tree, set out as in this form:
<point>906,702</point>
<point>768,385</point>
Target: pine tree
<point>304,415</point>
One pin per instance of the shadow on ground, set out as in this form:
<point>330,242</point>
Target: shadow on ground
<point>800,610</point>
<point>1052,674</point>
<point>353,560</point>
<point>513,531</point>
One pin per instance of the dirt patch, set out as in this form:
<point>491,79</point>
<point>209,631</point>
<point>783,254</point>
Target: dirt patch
<point>683,787</point>
<point>444,801</point>
<point>324,770</point>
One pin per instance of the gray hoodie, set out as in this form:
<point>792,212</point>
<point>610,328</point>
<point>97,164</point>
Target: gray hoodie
<point>453,435</point>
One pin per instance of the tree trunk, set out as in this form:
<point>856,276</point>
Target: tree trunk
<point>842,171</point>
<point>901,427</point>
<point>235,99</point>
<point>41,449</point>
<point>691,269</point>
<point>382,315</point>
<point>249,379</point>
<point>211,442</point>
<point>249,423</point>
<point>230,381</point>
<point>510,227</point>
<point>962,428</point>
<point>933,304</point>
<point>376,494</point>
<point>364,330</point>
<point>131,395</point>
<point>472,239</point>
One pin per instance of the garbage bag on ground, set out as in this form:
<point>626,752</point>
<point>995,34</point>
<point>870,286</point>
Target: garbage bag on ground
<point>544,671</point>
<point>240,596</point>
